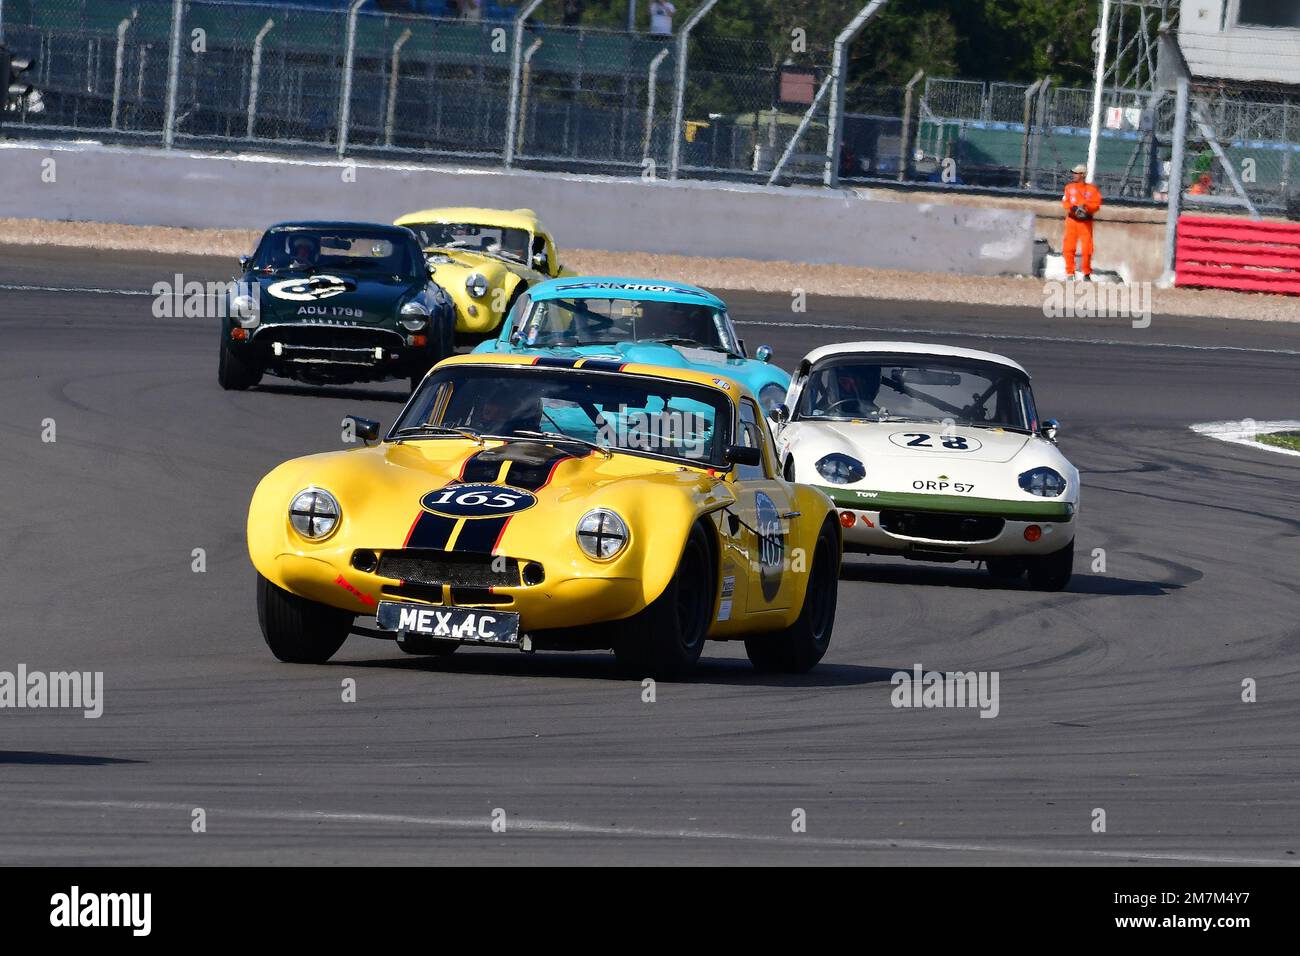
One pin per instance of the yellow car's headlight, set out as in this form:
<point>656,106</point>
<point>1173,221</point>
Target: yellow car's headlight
<point>314,514</point>
<point>476,285</point>
<point>602,535</point>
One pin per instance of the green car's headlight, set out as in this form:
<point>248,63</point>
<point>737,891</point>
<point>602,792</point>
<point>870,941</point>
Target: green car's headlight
<point>414,316</point>
<point>244,309</point>
<point>601,534</point>
<point>476,285</point>
<point>770,396</point>
<point>314,514</point>
<point>840,469</point>
<point>1044,482</point>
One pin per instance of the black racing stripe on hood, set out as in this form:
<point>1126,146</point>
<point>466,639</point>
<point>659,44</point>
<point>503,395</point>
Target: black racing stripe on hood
<point>603,365</point>
<point>531,466</point>
<point>430,531</point>
<point>480,534</point>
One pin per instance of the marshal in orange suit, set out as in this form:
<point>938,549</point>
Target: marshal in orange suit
<point>1081,202</point>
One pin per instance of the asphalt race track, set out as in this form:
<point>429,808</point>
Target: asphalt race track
<point>1123,693</point>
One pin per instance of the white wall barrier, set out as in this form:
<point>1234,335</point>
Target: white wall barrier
<point>797,224</point>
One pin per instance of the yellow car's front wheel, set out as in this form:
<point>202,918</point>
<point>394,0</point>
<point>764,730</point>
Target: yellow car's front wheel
<point>664,640</point>
<point>299,631</point>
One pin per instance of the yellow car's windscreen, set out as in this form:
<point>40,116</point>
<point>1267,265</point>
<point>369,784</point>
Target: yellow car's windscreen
<point>491,240</point>
<point>638,414</point>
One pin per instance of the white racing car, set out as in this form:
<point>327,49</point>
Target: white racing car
<point>933,453</point>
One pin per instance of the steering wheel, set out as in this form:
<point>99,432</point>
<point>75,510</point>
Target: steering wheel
<point>830,410</point>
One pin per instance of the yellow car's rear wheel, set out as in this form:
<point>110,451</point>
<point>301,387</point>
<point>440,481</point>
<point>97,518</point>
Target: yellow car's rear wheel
<point>299,631</point>
<point>665,639</point>
<point>800,646</point>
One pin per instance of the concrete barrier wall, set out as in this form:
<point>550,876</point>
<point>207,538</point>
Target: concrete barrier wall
<point>798,224</point>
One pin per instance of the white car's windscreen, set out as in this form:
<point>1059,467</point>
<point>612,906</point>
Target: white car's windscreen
<point>918,388</point>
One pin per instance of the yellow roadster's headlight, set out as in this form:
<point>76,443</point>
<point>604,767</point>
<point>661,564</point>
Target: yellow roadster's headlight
<point>476,285</point>
<point>314,514</point>
<point>602,535</point>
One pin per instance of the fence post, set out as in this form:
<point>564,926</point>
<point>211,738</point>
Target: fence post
<point>516,73</point>
<point>904,144</point>
<point>119,58</point>
<point>1042,111</point>
<point>1095,130</point>
<point>679,87</point>
<point>525,82</point>
<point>255,81</point>
<point>390,109</point>
<point>349,58</point>
<point>1175,195</point>
<point>835,122</point>
<point>651,83</point>
<point>1024,145</point>
<point>173,74</point>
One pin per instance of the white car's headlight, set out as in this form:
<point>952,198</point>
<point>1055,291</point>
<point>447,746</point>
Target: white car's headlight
<point>841,469</point>
<point>1044,482</point>
<point>476,285</point>
<point>414,316</point>
<point>601,534</point>
<point>770,396</point>
<point>314,514</point>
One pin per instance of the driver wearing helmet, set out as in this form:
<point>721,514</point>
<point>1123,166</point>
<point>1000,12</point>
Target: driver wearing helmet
<point>304,251</point>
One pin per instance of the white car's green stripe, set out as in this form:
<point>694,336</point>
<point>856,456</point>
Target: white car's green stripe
<point>963,504</point>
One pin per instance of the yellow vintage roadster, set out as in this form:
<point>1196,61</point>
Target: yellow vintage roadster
<point>548,503</point>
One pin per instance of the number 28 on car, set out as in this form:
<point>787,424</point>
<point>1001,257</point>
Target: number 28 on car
<point>544,503</point>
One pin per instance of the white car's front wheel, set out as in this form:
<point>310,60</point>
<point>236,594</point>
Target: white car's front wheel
<point>1051,572</point>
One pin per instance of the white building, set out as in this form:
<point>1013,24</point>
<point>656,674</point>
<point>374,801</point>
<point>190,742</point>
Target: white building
<point>1246,41</point>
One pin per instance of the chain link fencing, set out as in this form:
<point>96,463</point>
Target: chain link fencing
<point>249,75</point>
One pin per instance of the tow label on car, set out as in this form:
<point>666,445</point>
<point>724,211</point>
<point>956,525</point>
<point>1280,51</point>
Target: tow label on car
<point>477,501</point>
<point>453,624</point>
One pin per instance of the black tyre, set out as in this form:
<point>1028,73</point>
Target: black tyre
<point>234,374</point>
<point>1005,569</point>
<point>297,630</point>
<point>420,644</point>
<point>1052,572</point>
<point>799,647</point>
<point>664,640</point>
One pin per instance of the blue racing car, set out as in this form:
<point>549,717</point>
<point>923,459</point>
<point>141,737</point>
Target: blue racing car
<point>636,320</point>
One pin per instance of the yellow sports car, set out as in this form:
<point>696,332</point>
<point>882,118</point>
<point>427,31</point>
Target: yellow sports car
<point>484,259</point>
<point>545,503</point>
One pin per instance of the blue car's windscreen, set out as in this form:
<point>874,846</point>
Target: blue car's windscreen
<point>576,322</point>
<point>339,250</point>
<point>660,417</point>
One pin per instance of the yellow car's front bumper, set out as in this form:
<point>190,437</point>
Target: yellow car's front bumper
<point>567,597</point>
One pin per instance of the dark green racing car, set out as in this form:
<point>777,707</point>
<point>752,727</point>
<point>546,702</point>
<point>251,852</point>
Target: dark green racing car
<point>334,302</point>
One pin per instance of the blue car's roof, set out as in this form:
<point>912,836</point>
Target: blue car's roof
<point>616,287</point>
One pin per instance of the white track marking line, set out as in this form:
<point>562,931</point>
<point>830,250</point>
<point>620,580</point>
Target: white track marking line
<point>826,326</point>
<point>10,287</point>
<point>1241,433</point>
<point>587,829</point>
<point>1013,337</point>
